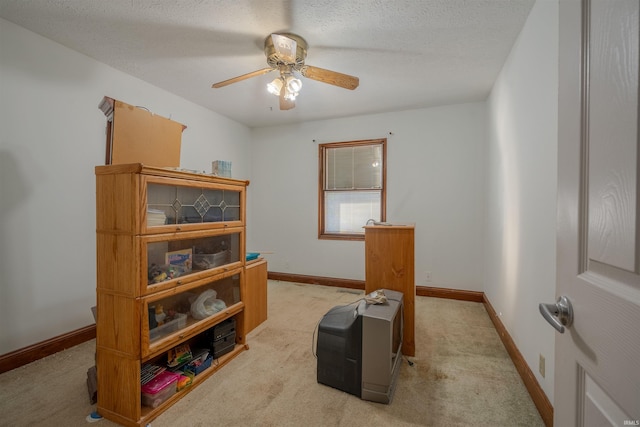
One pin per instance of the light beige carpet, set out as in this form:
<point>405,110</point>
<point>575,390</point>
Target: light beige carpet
<point>461,376</point>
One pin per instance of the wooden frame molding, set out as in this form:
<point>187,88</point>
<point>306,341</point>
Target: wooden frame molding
<point>322,150</point>
<point>535,391</point>
<point>423,291</point>
<point>42,349</point>
<point>315,280</point>
<point>462,295</point>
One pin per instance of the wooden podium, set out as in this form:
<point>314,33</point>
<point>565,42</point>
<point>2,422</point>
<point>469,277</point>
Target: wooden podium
<point>389,264</point>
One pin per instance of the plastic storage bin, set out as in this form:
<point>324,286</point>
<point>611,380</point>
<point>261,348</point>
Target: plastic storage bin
<point>174,325</point>
<point>159,389</point>
<point>198,369</point>
<point>206,261</point>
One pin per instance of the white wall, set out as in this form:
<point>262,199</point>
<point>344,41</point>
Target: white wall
<point>51,137</point>
<point>522,182</point>
<point>435,177</point>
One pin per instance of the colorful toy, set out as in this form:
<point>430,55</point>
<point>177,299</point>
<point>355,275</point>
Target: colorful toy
<point>178,355</point>
<point>160,315</point>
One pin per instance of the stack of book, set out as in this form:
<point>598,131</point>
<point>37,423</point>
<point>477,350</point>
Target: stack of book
<point>149,371</point>
<point>155,217</point>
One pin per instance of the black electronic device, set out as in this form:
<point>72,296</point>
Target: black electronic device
<point>339,349</point>
<point>221,339</point>
<point>359,347</point>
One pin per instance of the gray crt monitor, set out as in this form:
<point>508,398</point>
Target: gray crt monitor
<point>382,330</point>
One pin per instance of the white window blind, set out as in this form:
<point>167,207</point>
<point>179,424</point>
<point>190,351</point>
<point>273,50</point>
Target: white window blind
<point>348,211</point>
<point>354,168</point>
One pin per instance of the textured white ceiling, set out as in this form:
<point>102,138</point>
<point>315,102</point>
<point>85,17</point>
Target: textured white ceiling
<point>407,53</point>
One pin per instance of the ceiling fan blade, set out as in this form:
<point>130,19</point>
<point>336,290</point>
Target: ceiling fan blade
<point>285,47</point>
<point>285,104</point>
<point>242,77</point>
<point>331,77</point>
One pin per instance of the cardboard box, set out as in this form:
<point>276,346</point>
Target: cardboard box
<point>136,135</point>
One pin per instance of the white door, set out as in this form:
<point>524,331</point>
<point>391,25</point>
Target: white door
<point>597,359</point>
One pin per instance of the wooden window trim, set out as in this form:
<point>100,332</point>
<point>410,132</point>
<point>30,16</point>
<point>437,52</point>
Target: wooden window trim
<point>321,170</point>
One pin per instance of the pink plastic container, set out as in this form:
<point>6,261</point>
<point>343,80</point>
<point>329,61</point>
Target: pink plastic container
<point>159,389</point>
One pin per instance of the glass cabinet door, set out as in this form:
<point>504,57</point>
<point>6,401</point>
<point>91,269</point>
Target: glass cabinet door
<point>174,205</point>
<point>192,254</point>
<point>170,312</point>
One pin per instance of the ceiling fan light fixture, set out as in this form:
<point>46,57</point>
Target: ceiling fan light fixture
<point>275,86</point>
<point>290,96</point>
<point>286,53</point>
<point>293,84</point>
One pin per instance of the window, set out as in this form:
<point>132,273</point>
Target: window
<point>352,187</point>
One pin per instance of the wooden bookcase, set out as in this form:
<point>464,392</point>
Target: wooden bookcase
<point>146,215</point>
<point>389,264</point>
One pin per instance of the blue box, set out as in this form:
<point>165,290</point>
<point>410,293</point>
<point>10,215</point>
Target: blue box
<point>199,368</point>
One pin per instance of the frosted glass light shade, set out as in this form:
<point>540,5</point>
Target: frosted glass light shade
<point>275,87</point>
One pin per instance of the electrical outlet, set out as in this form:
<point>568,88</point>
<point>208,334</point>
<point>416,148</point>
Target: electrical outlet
<point>541,365</point>
<point>427,276</point>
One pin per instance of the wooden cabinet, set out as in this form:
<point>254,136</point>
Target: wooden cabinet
<point>256,302</point>
<point>170,266</point>
<point>389,264</point>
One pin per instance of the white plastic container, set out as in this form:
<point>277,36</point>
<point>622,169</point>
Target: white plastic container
<point>163,330</point>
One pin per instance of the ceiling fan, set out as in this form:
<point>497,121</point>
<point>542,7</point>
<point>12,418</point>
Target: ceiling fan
<point>286,53</point>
